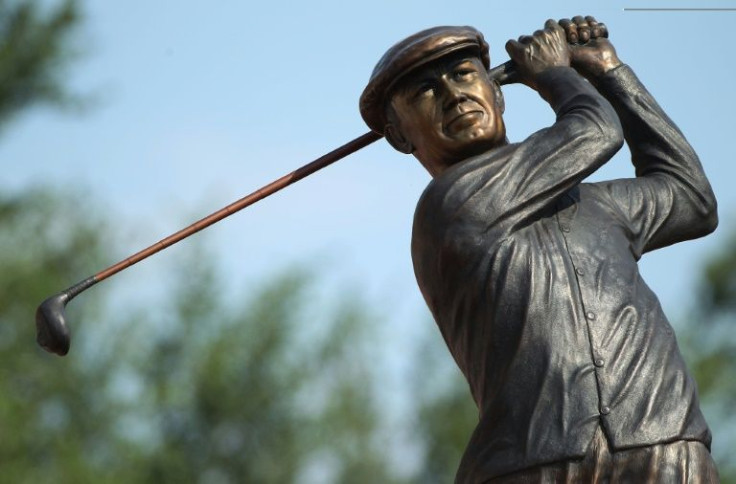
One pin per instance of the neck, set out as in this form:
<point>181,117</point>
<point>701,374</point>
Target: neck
<point>438,164</point>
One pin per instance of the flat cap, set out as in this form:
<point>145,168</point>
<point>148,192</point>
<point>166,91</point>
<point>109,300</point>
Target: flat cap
<point>409,54</point>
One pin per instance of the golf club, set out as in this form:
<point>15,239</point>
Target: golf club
<point>52,330</point>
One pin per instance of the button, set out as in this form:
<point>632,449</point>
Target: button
<point>605,410</point>
<point>599,362</point>
<point>590,315</point>
<point>579,271</point>
<point>564,228</point>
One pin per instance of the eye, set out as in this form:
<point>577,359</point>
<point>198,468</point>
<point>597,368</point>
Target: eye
<point>464,74</point>
<point>424,89</point>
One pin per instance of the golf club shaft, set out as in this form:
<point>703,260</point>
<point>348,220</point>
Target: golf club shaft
<point>261,193</point>
<point>504,74</point>
<point>52,331</point>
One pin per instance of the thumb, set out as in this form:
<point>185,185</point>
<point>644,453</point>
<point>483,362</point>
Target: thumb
<point>515,49</point>
<point>518,52</point>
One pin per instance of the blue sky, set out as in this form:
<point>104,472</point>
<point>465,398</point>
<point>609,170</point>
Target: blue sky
<point>199,103</point>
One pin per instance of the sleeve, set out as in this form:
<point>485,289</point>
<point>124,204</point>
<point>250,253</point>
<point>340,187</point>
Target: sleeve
<point>504,189</point>
<point>480,201</point>
<point>670,199</point>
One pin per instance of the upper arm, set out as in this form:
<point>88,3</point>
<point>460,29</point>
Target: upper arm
<point>670,199</point>
<point>659,210</point>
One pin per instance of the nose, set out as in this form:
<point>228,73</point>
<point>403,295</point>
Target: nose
<point>453,93</point>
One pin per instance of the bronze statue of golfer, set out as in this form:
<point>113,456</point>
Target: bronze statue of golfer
<point>531,273</point>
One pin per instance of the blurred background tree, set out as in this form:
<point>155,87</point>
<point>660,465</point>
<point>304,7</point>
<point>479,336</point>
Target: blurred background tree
<point>709,345</point>
<point>259,392</point>
<point>36,47</point>
<point>51,416</point>
<point>267,390</point>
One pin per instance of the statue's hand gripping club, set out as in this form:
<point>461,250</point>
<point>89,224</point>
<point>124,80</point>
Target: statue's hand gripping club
<point>586,48</point>
<point>591,53</point>
<point>536,53</point>
<point>581,43</point>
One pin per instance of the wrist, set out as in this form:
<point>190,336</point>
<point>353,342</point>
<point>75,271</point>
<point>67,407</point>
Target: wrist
<point>604,65</point>
<point>610,63</point>
<point>554,82</point>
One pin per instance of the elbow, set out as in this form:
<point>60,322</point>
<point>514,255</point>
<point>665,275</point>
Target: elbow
<point>606,133</point>
<point>712,224</point>
<point>707,203</point>
<point>704,212</point>
<point>610,130</point>
<point>710,213</point>
<point>613,135</point>
<point>606,140</point>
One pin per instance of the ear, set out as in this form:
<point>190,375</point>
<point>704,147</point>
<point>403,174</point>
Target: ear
<point>500,102</point>
<point>397,139</point>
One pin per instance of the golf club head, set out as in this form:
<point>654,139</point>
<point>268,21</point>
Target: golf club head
<point>52,332</point>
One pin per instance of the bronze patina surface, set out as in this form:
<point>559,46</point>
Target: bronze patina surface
<point>531,272</point>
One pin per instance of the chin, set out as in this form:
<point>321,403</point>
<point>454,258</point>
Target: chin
<point>478,142</point>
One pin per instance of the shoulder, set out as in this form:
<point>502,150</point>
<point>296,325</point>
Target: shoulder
<point>462,185</point>
<point>458,205</point>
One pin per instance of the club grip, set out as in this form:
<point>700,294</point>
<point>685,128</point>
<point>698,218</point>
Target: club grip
<point>504,73</point>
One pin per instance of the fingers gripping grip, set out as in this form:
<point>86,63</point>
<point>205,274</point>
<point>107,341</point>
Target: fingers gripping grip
<point>506,73</point>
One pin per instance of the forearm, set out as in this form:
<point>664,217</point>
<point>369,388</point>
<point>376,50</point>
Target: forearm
<point>656,143</point>
<point>659,149</point>
<point>586,134</point>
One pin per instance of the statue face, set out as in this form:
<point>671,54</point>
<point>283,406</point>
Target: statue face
<point>449,110</point>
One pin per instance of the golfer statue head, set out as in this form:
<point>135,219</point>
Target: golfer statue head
<point>430,95</point>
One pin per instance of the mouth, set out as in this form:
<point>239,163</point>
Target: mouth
<point>460,121</point>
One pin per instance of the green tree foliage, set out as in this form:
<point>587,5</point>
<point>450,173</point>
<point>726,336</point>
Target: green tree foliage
<point>198,392</point>
<point>446,414</point>
<point>51,417</point>
<point>710,347</point>
<point>34,50</point>
<point>270,389</point>
<point>258,392</point>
